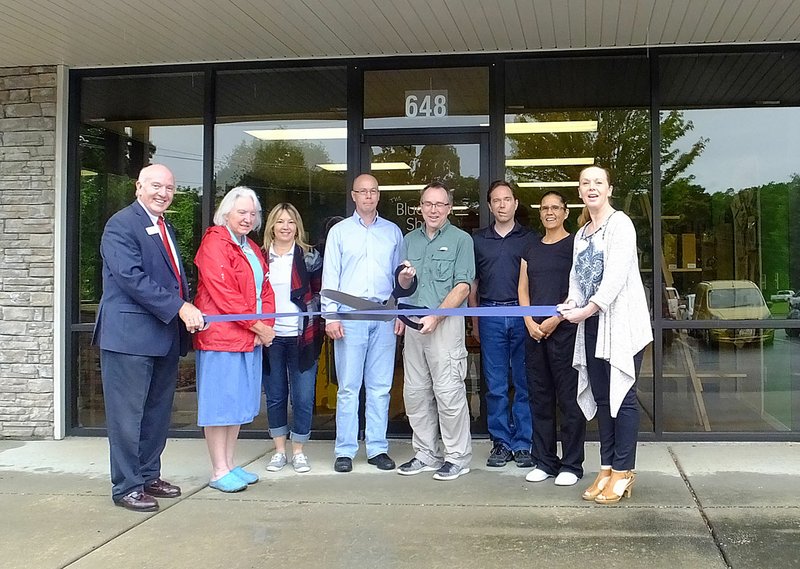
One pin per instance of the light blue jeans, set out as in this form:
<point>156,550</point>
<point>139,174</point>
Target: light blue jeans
<point>365,355</point>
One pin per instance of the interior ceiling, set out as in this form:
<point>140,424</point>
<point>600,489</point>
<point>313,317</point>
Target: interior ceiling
<point>97,33</point>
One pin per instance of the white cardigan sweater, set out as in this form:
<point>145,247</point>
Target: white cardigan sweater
<point>624,319</point>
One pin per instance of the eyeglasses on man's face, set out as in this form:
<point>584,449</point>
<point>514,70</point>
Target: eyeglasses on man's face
<point>434,205</point>
<point>553,208</point>
<point>369,192</point>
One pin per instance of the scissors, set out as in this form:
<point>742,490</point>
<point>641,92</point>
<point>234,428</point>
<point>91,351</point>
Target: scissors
<point>358,303</point>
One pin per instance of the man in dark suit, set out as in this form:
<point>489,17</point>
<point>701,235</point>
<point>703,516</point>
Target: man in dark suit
<point>141,338</point>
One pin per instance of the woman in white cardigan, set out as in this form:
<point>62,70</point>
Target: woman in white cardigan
<point>607,301</point>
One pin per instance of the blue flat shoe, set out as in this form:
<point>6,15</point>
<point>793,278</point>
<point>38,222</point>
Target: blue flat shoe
<point>249,477</point>
<point>228,483</point>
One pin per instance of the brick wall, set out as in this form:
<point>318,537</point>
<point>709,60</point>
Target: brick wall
<point>27,198</point>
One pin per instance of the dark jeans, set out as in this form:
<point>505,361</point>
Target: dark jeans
<point>618,435</point>
<point>284,374</point>
<point>553,381</point>
<point>503,350</point>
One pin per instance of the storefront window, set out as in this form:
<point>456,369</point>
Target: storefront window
<point>565,114</point>
<point>728,238</point>
<point>415,98</point>
<point>126,123</point>
<point>727,309</point>
<point>283,133</point>
<point>457,165</point>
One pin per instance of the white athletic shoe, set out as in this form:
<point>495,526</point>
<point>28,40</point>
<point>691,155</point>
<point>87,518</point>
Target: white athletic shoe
<point>537,475</point>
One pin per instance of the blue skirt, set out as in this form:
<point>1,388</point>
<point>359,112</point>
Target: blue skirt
<point>228,387</point>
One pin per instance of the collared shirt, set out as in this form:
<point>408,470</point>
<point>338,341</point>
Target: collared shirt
<point>497,261</point>
<point>360,259</point>
<point>154,220</point>
<point>280,277</point>
<point>255,264</point>
<point>441,262</point>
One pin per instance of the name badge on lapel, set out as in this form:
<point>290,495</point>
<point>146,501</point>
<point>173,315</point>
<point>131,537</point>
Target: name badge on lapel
<point>152,230</point>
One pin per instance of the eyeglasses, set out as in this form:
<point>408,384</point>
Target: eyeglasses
<point>370,192</point>
<point>553,208</point>
<point>434,205</point>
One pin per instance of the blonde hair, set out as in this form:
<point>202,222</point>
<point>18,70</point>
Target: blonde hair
<point>272,220</point>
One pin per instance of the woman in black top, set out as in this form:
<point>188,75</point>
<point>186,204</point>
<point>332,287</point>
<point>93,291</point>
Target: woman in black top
<point>544,280</point>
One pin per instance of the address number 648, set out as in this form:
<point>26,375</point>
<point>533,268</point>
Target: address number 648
<point>426,106</point>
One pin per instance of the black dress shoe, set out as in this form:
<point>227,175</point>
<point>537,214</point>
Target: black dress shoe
<point>383,461</point>
<point>138,502</point>
<point>343,464</point>
<point>162,489</point>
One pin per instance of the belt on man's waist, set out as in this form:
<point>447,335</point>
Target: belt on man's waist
<point>499,303</point>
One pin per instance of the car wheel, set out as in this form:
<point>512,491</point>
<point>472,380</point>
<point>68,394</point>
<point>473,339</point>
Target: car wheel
<point>793,332</point>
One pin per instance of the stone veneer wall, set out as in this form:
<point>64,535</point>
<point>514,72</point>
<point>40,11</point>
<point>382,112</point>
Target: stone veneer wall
<point>27,210</point>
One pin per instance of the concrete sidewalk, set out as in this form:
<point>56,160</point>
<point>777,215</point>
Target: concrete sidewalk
<point>694,505</point>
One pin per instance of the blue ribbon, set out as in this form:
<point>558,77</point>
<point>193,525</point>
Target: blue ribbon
<point>480,311</point>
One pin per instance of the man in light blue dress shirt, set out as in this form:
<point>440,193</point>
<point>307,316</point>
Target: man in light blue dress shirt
<point>361,254</point>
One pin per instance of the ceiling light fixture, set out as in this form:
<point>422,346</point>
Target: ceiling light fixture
<point>390,166</point>
<point>333,167</point>
<point>566,184</point>
<point>524,162</point>
<point>402,188</point>
<point>553,126</point>
<point>334,133</point>
<point>342,167</point>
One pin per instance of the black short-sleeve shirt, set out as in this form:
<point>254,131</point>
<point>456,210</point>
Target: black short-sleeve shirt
<point>548,270</point>
<point>497,261</point>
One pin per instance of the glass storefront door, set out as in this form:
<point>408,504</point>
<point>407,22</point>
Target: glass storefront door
<point>403,165</point>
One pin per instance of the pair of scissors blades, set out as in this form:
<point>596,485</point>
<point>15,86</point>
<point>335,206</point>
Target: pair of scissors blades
<point>390,304</point>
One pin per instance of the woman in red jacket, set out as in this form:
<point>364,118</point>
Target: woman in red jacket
<point>233,279</point>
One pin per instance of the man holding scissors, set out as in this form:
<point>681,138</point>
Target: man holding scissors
<point>435,357</point>
<point>361,254</point>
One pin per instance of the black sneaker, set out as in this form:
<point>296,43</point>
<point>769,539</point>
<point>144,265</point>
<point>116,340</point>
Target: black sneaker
<point>343,464</point>
<point>383,461</point>
<point>499,456</point>
<point>523,458</point>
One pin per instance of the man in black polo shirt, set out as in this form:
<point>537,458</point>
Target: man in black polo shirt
<point>498,249</point>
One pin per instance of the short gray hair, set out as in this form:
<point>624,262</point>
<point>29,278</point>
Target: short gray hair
<point>226,205</point>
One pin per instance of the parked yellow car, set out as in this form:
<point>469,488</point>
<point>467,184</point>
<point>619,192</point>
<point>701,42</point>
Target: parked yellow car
<point>731,300</point>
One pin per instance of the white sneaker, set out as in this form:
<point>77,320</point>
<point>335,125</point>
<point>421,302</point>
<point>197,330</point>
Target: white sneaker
<point>537,475</point>
<point>566,479</point>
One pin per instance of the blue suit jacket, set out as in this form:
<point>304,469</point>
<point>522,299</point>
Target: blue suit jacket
<point>138,312</point>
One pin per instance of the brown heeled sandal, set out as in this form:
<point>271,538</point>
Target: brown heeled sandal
<point>597,486</point>
<point>619,486</point>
